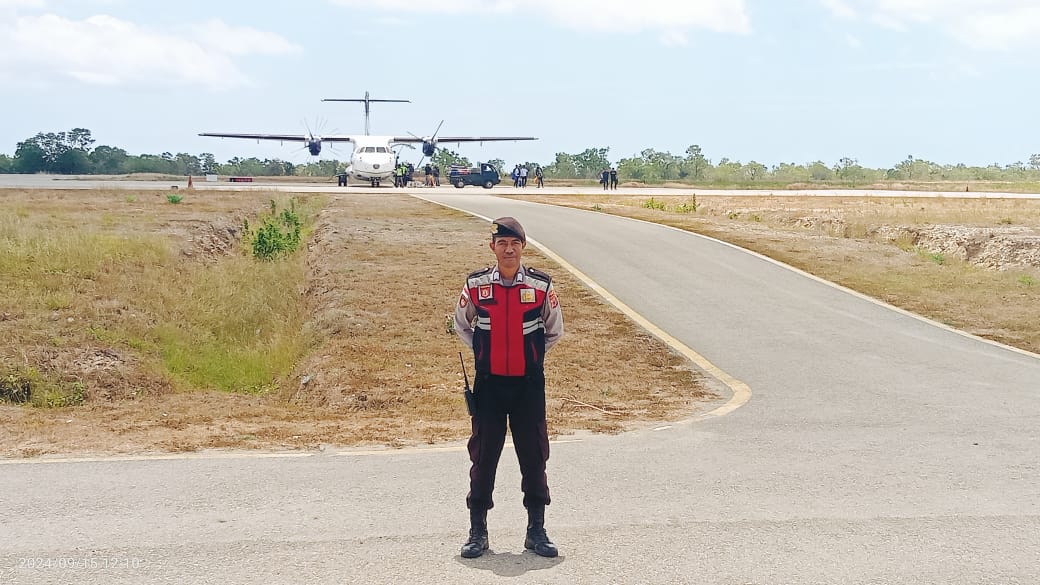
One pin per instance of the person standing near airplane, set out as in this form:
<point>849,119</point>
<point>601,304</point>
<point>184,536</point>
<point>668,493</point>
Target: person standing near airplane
<point>523,176</point>
<point>510,316</point>
<point>604,179</point>
<point>613,178</point>
<point>539,175</point>
<point>399,175</point>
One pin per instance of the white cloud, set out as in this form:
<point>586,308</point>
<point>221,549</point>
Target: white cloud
<point>672,18</point>
<point>104,50</point>
<point>1005,31</point>
<point>840,9</point>
<point>982,24</point>
<point>218,35</point>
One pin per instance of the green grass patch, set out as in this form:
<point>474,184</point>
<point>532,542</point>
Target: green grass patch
<point>654,204</point>
<point>236,326</point>
<point>174,199</point>
<point>934,257</point>
<point>29,386</point>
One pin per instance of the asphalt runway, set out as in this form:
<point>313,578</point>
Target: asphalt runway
<point>90,182</point>
<point>875,448</point>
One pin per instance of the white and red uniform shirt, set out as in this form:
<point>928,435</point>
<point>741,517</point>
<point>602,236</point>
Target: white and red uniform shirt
<point>509,325</point>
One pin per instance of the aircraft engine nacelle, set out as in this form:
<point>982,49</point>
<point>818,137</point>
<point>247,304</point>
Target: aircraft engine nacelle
<point>314,146</point>
<point>428,146</point>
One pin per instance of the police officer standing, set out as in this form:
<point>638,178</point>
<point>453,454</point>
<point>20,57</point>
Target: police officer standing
<point>510,316</point>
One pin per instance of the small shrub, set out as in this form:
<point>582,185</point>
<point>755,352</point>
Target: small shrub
<point>131,199</point>
<point>1026,280</point>
<point>60,396</point>
<point>689,206</point>
<point>597,207</point>
<point>175,199</point>
<point>1006,221</point>
<point>652,204</point>
<point>58,301</point>
<point>29,386</point>
<point>15,388</point>
<point>278,234</point>
<point>936,257</point>
<point>733,215</point>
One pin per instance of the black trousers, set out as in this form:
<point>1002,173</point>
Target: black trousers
<point>521,401</point>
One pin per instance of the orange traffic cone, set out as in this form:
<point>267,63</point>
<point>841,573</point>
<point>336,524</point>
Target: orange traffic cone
<point>190,186</point>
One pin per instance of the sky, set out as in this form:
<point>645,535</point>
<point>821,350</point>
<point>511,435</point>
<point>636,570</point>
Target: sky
<point>772,81</point>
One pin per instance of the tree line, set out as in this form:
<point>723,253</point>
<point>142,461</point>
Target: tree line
<point>652,166</point>
<point>73,152</point>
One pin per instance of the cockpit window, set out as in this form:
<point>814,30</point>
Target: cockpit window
<point>381,149</point>
<point>369,149</point>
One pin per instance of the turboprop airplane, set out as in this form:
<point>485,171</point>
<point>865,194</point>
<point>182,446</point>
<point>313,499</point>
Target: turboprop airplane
<point>373,157</point>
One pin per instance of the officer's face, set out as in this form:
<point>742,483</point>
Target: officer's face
<point>508,251</point>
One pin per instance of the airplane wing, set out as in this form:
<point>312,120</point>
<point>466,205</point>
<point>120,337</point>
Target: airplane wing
<point>458,139</point>
<point>282,137</point>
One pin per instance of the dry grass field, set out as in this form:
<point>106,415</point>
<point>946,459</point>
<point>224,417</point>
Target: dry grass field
<point>131,324</point>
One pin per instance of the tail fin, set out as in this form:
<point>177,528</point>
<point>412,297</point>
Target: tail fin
<point>368,101</point>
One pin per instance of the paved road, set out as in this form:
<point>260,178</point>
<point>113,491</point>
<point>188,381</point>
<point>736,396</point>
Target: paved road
<point>876,448</point>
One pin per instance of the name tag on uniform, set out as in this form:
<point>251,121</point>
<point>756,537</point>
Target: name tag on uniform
<point>527,295</point>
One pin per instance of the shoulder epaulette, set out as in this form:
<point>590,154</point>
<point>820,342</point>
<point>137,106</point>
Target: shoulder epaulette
<point>480,272</point>
<point>534,272</point>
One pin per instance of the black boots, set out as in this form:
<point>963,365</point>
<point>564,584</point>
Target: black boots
<point>537,540</point>
<point>478,536</point>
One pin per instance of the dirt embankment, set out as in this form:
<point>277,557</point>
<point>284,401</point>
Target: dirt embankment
<point>1000,248</point>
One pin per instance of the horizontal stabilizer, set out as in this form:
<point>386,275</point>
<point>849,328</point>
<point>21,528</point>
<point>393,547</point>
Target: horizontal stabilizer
<point>365,100</point>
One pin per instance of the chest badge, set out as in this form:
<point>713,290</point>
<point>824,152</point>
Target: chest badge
<point>484,292</point>
<point>527,295</point>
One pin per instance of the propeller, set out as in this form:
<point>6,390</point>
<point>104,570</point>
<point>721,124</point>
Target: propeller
<point>314,138</point>
<point>429,145</point>
<point>313,142</point>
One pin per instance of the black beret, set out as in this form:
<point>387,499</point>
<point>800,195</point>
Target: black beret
<point>508,227</point>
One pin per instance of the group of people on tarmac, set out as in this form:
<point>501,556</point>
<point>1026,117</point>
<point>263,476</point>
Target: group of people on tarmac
<point>432,175</point>
<point>608,178</point>
<point>521,172</point>
<point>404,172</point>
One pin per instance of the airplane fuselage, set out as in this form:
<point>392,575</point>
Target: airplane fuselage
<point>372,159</point>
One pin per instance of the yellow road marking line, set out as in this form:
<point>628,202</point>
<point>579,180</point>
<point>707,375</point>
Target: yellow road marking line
<point>741,391</point>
